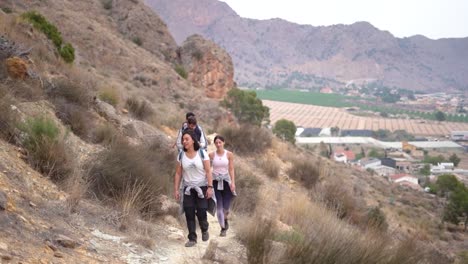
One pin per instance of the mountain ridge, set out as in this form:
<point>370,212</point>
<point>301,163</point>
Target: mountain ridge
<point>314,57</point>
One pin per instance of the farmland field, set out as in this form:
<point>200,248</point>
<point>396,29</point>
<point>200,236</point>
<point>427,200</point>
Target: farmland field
<point>319,116</point>
<point>334,100</point>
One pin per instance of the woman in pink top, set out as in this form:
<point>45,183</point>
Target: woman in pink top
<point>223,181</point>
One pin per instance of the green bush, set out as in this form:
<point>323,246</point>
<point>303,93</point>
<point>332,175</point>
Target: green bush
<point>109,96</point>
<point>67,52</point>
<point>137,40</point>
<point>246,106</point>
<point>286,130</point>
<point>46,148</point>
<point>181,71</point>
<point>41,23</point>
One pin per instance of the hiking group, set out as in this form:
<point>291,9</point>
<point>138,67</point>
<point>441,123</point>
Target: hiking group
<point>204,183</point>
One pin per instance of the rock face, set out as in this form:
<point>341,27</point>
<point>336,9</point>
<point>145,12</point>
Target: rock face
<point>208,66</point>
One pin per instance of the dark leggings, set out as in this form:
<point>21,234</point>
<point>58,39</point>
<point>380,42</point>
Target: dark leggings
<point>223,200</point>
<point>195,206</point>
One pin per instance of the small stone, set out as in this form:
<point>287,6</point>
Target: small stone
<point>163,258</point>
<point>125,111</point>
<point>32,204</point>
<point>67,242</point>
<point>58,255</point>
<point>175,236</point>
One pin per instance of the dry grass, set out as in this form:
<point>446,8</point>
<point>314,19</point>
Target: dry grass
<point>141,109</point>
<point>247,188</point>
<point>47,151</point>
<point>270,165</point>
<point>339,198</point>
<point>247,140</point>
<point>76,185</point>
<point>315,235</point>
<point>110,96</point>
<point>135,176</point>
<point>105,134</point>
<point>305,171</point>
<point>7,116</point>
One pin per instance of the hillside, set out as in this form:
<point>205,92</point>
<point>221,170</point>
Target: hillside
<point>278,53</point>
<point>87,163</point>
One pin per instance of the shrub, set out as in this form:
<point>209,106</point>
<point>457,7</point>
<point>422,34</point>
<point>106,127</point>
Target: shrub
<point>46,148</point>
<point>270,166</point>
<point>105,134</point>
<point>247,187</point>
<point>246,106</point>
<point>139,173</point>
<point>7,10</point>
<point>286,130</point>
<point>67,52</point>
<point>304,171</point>
<point>107,4</point>
<point>70,90</point>
<point>255,237</point>
<point>181,71</point>
<point>41,23</point>
<point>141,109</point>
<point>137,40</point>
<point>78,118</point>
<point>338,198</point>
<point>376,219</point>
<point>109,96</point>
<point>7,117</point>
<point>247,139</point>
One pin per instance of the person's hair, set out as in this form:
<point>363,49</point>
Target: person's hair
<point>219,137</point>
<point>191,133</point>
<point>189,114</point>
<point>192,120</point>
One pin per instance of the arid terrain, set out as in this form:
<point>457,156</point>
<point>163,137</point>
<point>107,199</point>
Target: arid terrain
<point>87,159</point>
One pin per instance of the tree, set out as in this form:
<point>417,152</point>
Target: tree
<point>246,106</point>
<point>285,130</point>
<point>455,159</point>
<point>440,116</point>
<point>426,170</point>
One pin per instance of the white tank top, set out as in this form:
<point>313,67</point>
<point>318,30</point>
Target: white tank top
<point>220,163</point>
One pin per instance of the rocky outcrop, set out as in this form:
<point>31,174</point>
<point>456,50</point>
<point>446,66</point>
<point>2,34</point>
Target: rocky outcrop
<point>208,66</point>
<point>144,28</point>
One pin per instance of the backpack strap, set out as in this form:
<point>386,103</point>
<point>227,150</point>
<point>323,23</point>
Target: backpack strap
<point>202,155</point>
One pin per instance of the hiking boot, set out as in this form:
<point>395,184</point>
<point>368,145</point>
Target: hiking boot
<point>226,224</point>
<point>205,236</point>
<point>190,243</point>
<point>223,233</point>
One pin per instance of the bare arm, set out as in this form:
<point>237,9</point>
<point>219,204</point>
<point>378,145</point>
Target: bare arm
<point>179,140</point>
<point>177,178</point>
<point>231,171</point>
<point>209,177</point>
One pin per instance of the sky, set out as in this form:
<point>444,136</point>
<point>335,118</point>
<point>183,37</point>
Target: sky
<point>403,18</point>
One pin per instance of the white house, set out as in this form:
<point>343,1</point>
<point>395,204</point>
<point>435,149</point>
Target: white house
<point>443,167</point>
<point>405,180</point>
<point>383,170</point>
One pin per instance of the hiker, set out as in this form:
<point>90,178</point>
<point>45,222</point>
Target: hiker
<point>223,181</point>
<point>194,170</point>
<point>192,124</point>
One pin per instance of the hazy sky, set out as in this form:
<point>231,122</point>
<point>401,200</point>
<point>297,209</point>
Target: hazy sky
<point>403,18</point>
